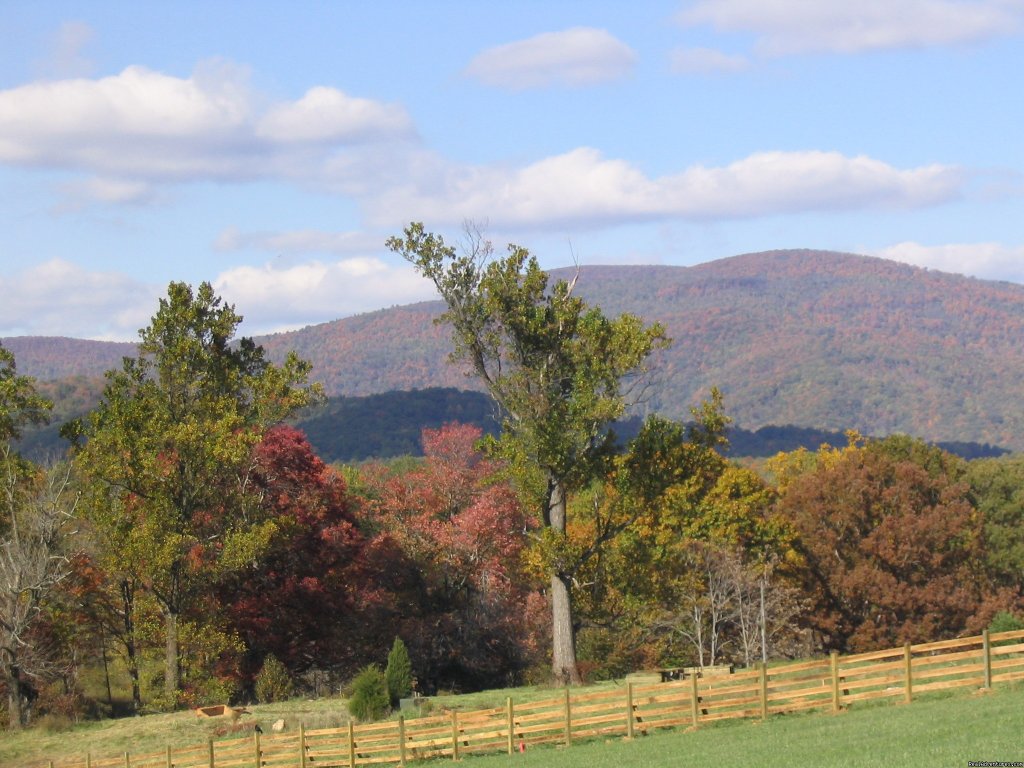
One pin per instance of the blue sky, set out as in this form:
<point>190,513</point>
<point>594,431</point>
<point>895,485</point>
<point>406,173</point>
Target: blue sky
<point>270,148</point>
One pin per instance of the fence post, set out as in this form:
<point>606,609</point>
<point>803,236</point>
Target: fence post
<point>511,725</point>
<point>401,740</point>
<point>303,758</point>
<point>170,763</point>
<point>568,719</point>
<point>455,735</point>
<point>763,680</point>
<point>256,744</point>
<point>209,747</point>
<point>351,745</point>
<point>694,699</point>
<point>834,659</point>
<point>629,710</point>
<point>127,761</point>
<point>986,646</point>
<point>908,664</point>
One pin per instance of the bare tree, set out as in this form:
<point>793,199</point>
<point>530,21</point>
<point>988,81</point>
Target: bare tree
<point>764,608</point>
<point>36,508</point>
<point>707,603</point>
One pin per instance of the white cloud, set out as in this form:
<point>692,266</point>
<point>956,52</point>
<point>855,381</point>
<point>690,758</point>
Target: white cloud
<point>326,115</point>
<point>840,26</point>
<point>142,125</point>
<point>989,261</point>
<point>58,298</point>
<point>298,241</point>
<point>584,188</point>
<point>705,60</point>
<point>580,56</point>
<point>276,298</point>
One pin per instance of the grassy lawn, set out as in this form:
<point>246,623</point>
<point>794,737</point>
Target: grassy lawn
<point>936,730</point>
<point>946,731</point>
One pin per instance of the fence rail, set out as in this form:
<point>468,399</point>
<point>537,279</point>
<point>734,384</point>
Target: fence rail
<point>827,684</point>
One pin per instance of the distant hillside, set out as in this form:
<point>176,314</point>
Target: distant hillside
<point>351,429</point>
<point>386,425</point>
<point>809,338</point>
<point>55,357</point>
<point>814,339</point>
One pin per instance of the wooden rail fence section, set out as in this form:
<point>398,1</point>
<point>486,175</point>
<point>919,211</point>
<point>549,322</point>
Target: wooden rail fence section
<point>828,684</point>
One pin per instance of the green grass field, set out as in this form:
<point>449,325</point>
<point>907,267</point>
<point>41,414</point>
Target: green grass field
<point>936,730</point>
<point>947,731</point>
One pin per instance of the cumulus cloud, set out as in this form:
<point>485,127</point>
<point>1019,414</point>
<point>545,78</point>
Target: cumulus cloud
<point>143,125</point>
<point>277,298</point>
<point>584,188</point>
<point>58,298</point>
<point>989,261</point>
<point>705,60</point>
<point>575,57</point>
<point>839,26</point>
<point>326,115</point>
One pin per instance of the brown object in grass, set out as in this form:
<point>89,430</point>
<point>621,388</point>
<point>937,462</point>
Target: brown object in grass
<point>221,710</point>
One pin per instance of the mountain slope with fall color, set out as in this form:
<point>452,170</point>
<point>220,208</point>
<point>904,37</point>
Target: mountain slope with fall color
<point>800,337</point>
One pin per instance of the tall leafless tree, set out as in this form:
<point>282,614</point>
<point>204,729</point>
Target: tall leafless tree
<point>36,510</point>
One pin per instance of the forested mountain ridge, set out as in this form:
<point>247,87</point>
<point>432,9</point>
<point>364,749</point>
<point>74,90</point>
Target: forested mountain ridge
<point>808,338</point>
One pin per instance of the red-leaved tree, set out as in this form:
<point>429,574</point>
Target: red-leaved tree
<point>463,531</point>
<point>312,599</point>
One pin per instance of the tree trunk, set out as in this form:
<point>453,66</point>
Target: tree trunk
<point>171,666</point>
<point>131,653</point>
<point>763,619</point>
<point>133,673</point>
<point>12,676</point>
<point>106,668</point>
<point>563,647</point>
<point>563,641</point>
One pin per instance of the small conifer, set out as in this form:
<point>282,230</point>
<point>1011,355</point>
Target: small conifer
<point>398,672</point>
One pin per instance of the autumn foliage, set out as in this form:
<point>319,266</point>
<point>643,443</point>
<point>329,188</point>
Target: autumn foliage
<point>462,532</point>
<point>301,601</point>
<point>891,549</point>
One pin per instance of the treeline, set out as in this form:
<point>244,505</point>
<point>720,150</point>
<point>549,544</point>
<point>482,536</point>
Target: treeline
<point>193,545</point>
<point>389,425</point>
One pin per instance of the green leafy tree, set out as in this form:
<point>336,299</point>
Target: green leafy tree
<point>20,403</point>
<point>687,535</point>
<point>997,490</point>
<point>398,672</point>
<point>560,371</point>
<point>273,683</point>
<point>369,700</point>
<point>170,451</point>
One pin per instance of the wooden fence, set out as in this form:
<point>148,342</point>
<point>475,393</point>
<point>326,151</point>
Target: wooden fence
<point>828,684</point>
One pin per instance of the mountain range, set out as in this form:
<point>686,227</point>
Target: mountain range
<point>814,339</point>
